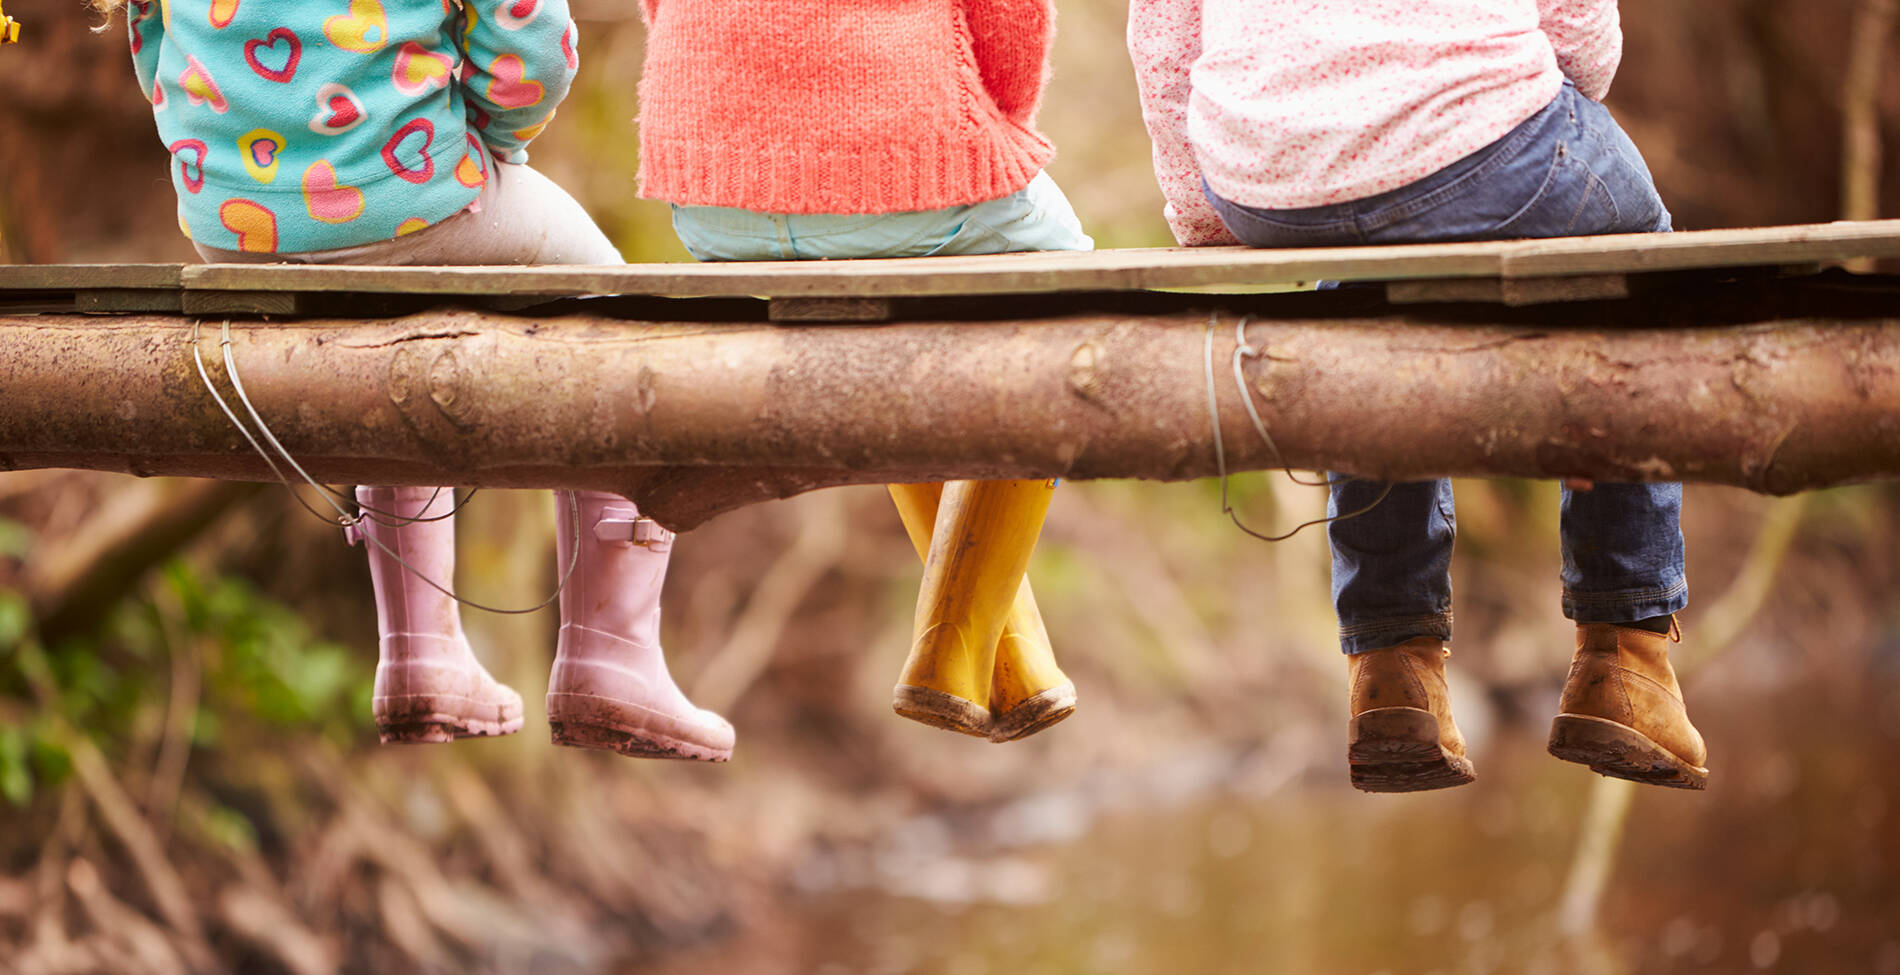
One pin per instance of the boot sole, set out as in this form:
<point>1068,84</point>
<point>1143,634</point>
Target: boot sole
<point>941,710</point>
<point>633,744</point>
<point>586,721</point>
<point>1033,714</point>
<point>1621,752</point>
<point>1398,750</point>
<point>436,719</point>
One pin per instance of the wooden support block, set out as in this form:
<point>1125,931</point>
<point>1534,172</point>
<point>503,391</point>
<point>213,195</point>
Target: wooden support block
<point>1514,292</point>
<point>41,304</point>
<point>501,303</point>
<point>343,304</point>
<point>242,303</point>
<point>166,301</point>
<point>829,310</point>
<point>1444,290</point>
<point>1577,287</point>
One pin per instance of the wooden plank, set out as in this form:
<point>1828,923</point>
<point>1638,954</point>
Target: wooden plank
<point>1208,269</point>
<point>1820,243</point>
<point>1130,269</point>
<point>91,288</point>
<point>82,277</point>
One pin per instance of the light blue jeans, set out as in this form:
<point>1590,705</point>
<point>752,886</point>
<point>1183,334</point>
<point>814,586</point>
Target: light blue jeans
<point>1568,170</point>
<point>1035,218</point>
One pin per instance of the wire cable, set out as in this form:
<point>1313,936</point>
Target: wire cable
<point>1220,452</point>
<point>345,518</point>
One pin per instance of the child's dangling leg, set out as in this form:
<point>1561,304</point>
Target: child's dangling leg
<point>1622,711</point>
<point>973,575</point>
<point>1028,691</point>
<point>610,687</point>
<point>429,686</point>
<point>1392,591</point>
<point>963,673</point>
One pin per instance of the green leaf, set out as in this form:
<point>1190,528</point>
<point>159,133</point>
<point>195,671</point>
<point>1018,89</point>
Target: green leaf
<point>15,620</point>
<point>227,826</point>
<point>52,763</point>
<point>16,781</point>
<point>205,728</point>
<point>15,538</point>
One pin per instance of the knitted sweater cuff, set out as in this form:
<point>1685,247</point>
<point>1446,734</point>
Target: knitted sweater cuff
<point>934,172</point>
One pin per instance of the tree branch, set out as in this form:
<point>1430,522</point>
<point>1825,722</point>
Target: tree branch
<point>1868,49</point>
<point>691,420</point>
<point>123,538</point>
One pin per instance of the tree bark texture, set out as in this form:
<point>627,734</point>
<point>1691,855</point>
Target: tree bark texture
<point>1867,51</point>
<point>693,420</point>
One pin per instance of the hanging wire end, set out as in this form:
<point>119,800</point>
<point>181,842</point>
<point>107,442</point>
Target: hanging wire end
<point>1243,351</point>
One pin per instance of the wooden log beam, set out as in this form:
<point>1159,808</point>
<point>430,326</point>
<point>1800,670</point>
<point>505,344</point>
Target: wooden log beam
<point>694,419</point>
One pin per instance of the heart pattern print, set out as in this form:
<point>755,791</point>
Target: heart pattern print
<point>322,124</point>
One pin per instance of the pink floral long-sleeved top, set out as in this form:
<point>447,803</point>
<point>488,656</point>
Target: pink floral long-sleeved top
<point>1285,104</point>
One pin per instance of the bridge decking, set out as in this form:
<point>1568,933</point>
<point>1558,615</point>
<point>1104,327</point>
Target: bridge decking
<point>1718,365</point>
<point>1511,272</point>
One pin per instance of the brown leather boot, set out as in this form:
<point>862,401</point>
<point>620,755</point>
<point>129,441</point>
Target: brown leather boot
<point>1622,712</point>
<point>1402,735</point>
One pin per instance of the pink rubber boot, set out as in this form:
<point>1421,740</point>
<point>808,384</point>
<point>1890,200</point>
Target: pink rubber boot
<point>429,686</point>
<point>610,687</point>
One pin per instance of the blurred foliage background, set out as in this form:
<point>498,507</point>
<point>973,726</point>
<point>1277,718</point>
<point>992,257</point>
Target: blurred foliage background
<point>189,781</point>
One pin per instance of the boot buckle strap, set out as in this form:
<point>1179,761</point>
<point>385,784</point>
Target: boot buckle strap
<point>638,531</point>
<point>352,533</point>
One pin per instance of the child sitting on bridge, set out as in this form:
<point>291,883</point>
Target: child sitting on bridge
<point>1336,122</point>
<point>396,132</point>
<point>807,129</point>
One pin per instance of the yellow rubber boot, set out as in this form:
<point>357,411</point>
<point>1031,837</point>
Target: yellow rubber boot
<point>1028,692</point>
<point>979,550</point>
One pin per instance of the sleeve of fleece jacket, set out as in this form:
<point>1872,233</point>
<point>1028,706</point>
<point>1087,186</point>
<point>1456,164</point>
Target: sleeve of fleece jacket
<point>1164,38</point>
<point>519,57</point>
<point>1588,37</point>
<point>1011,40</point>
<point>147,31</point>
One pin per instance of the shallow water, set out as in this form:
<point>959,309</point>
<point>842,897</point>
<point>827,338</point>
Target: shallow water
<point>1244,862</point>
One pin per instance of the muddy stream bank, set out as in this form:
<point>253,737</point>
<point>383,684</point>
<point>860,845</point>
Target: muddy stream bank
<point>1262,860</point>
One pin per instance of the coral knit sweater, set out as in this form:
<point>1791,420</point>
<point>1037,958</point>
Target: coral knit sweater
<point>842,106</point>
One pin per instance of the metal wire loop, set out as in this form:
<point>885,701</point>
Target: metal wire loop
<point>1243,350</point>
<point>345,518</point>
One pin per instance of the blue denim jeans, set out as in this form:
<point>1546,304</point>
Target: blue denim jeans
<point>1035,218</point>
<point>1567,171</point>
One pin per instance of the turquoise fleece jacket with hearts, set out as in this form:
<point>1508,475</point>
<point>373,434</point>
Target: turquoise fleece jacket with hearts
<point>308,125</point>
